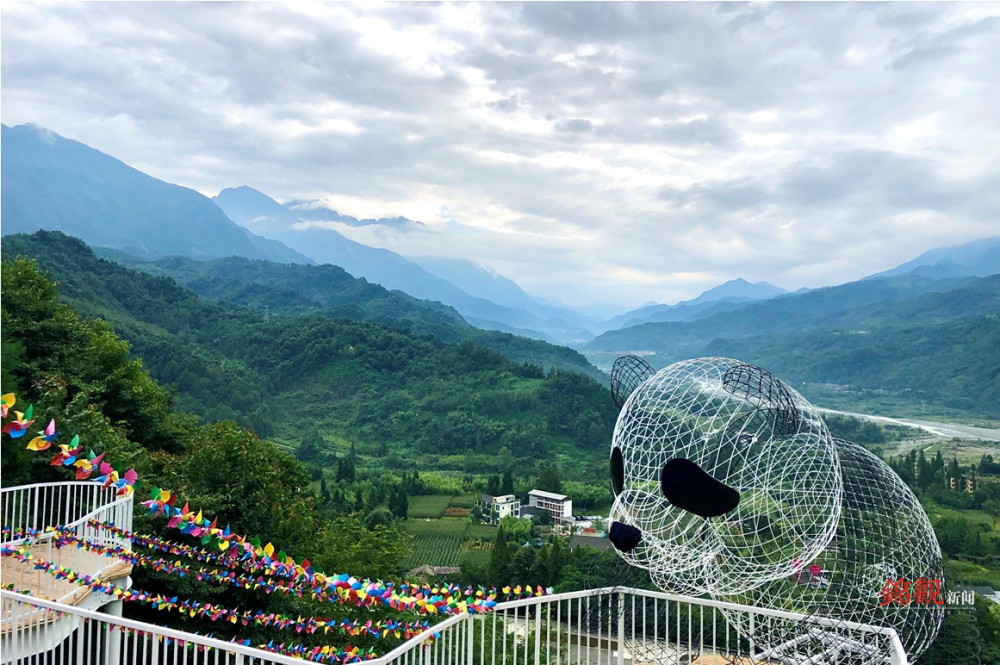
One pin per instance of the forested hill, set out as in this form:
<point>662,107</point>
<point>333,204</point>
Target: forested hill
<point>276,288</point>
<point>294,289</point>
<point>911,339</point>
<point>401,393</point>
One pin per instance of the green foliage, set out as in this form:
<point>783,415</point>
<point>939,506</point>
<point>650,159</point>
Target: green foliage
<point>78,372</point>
<point>915,339</point>
<point>399,396</point>
<point>864,432</point>
<point>548,479</point>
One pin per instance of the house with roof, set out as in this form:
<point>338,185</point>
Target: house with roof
<point>558,506</point>
<point>495,508</point>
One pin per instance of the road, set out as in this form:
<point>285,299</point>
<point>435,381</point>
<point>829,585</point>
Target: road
<point>940,429</point>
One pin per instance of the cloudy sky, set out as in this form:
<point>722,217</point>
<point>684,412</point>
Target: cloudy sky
<point>591,152</point>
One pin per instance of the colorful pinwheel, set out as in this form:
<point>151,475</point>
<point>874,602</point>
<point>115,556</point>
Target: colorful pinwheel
<point>6,401</point>
<point>22,421</point>
<point>44,438</point>
<point>67,456</point>
<point>85,467</point>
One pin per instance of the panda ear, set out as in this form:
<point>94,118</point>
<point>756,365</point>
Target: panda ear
<point>628,373</point>
<point>767,392</point>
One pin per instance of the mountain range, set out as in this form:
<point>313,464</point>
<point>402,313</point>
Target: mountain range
<point>55,183</point>
<point>400,394</point>
<point>516,312</point>
<point>50,182</point>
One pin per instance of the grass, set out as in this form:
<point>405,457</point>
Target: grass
<point>467,501</point>
<point>971,573</point>
<point>482,531</point>
<point>434,551</point>
<point>935,512</point>
<point>427,506</point>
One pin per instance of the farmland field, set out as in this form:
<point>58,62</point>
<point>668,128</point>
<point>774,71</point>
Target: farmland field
<point>428,506</point>
<point>447,542</point>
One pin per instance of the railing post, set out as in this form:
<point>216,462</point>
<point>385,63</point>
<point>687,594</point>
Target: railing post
<point>471,623</point>
<point>621,627</point>
<point>112,636</point>
<point>538,633</point>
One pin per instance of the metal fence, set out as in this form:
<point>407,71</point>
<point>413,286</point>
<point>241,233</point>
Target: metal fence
<point>41,632</point>
<point>30,509</point>
<point>610,626</point>
<point>618,626</point>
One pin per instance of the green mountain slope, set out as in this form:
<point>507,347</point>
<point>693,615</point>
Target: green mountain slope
<point>910,339</point>
<point>843,306</point>
<point>275,288</point>
<point>386,389</point>
<point>955,364</point>
<point>327,290</point>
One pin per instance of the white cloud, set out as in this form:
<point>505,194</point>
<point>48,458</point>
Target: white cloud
<point>595,151</point>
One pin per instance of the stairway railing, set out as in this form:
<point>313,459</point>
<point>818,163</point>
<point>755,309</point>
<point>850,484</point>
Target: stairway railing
<point>71,505</point>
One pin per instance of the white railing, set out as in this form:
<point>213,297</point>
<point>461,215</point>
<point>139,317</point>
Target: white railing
<point>30,509</point>
<point>617,626</point>
<point>610,626</point>
<point>110,640</point>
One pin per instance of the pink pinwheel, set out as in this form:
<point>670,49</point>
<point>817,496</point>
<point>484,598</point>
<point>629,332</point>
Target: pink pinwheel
<point>44,438</point>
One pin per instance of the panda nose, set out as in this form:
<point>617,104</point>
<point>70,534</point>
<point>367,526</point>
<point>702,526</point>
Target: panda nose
<point>687,486</point>
<point>625,538</point>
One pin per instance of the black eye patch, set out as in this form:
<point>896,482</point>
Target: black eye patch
<point>688,486</point>
<point>617,471</point>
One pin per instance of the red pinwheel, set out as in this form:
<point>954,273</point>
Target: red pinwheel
<point>22,421</point>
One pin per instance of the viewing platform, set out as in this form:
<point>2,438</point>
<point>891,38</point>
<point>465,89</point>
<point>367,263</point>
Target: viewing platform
<point>59,623</point>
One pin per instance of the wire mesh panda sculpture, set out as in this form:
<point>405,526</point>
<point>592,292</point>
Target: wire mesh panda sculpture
<point>728,483</point>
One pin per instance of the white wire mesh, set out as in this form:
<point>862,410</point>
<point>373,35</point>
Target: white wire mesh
<point>883,537</point>
<point>821,527</point>
<point>757,436</point>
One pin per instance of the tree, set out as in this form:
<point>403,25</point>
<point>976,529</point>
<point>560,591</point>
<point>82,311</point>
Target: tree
<point>953,469</point>
<point>924,471</point>
<point>500,559</point>
<point>493,485</point>
<point>378,517</point>
<point>250,484</point>
<point>507,485</point>
<point>323,491</point>
<point>345,469</point>
<point>311,447</point>
<point>548,479</point>
<point>399,502</point>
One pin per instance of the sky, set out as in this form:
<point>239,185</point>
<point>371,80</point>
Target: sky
<point>593,153</point>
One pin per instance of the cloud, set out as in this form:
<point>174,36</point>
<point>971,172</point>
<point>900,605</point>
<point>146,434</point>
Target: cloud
<point>589,151</point>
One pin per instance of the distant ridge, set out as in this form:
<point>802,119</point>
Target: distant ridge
<point>51,182</point>
<point>516,313</point>
<point>723,297</point>
<point>977,258</point>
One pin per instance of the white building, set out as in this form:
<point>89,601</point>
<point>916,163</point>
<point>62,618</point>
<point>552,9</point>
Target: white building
<point>559,506</point>
<point>495,508</point>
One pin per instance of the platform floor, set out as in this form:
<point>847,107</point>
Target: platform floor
<point>24,577</point>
